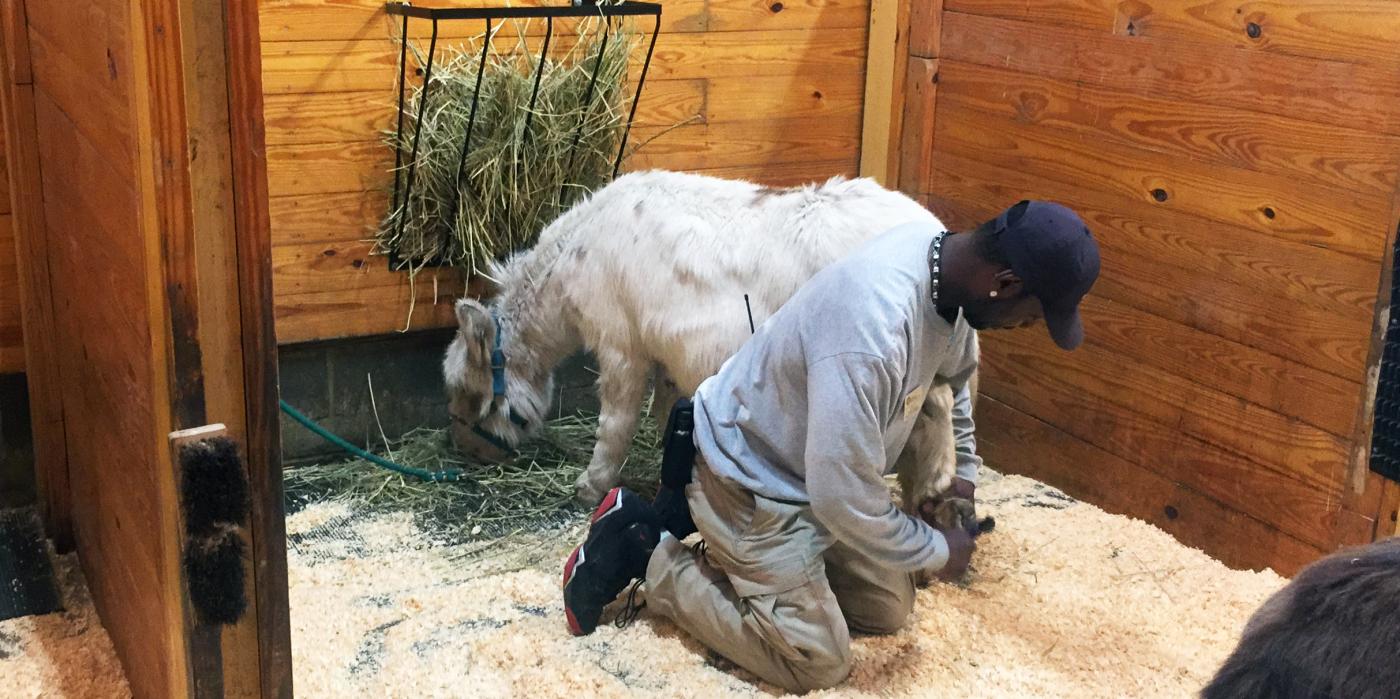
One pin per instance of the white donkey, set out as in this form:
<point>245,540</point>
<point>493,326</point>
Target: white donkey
<point>650,274</point>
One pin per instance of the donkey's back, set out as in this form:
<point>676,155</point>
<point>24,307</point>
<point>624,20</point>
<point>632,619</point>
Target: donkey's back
<point>662,261</point>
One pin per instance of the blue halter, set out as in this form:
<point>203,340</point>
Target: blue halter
<point>498,390</point>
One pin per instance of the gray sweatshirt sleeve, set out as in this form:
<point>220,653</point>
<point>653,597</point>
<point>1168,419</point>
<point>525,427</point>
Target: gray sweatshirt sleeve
<point>964,437</point>
<point>849,396</point>
<point>963,428</point>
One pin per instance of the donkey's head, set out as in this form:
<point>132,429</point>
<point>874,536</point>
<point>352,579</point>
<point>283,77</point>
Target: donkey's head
<point>485,426</point>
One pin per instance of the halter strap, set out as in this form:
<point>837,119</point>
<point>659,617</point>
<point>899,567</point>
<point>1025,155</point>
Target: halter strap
<point>498,390</point>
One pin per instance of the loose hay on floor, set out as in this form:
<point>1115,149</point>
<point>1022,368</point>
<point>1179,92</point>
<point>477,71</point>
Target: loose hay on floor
<point>1066,600</point>
<point>533,491</point>
<point>64,655</point>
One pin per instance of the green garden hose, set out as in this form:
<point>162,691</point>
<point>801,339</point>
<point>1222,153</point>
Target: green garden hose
<point>448,474</point>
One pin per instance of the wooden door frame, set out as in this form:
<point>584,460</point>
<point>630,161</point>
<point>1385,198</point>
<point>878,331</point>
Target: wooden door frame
<point>205,84</point>
<point>35,295</point>
<point>198,87</point>
<point>263,448</point>
<point>901,90</point>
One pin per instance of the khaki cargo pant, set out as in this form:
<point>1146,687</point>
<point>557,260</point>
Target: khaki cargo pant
<point>774,592</point>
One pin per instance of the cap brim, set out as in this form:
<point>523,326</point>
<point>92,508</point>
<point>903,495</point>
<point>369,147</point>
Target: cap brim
<point>1066,328</point>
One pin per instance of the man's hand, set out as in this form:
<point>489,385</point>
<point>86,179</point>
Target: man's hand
<point>960,548</point>
<point>962,488</point>
<point>953,514</point>
<point>954,508</point>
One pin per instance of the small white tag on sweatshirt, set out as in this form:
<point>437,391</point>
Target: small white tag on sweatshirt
<point>914,401</point>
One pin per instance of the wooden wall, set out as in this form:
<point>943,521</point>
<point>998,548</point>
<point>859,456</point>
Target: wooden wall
<point>11,332</point>
<point>774,89</point>
<point>140,257</point>
<point>84,76</point>
<point>1238,164</point>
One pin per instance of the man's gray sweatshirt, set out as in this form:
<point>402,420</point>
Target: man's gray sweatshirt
<point>818,404</point>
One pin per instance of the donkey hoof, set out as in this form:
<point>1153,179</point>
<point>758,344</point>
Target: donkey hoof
<point>587,494</point>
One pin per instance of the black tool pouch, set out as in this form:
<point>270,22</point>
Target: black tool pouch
<point>677,460</point>
<point>678,452</point>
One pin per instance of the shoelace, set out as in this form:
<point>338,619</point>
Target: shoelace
<point>633,607</point>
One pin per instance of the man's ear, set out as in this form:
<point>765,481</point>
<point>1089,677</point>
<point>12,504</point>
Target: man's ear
<point>1008,285</point>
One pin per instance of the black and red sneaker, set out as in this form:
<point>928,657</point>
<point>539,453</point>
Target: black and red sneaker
<point>621,536</point>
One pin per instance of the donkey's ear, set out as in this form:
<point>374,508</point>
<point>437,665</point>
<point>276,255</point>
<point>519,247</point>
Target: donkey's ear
<point>473,320</point>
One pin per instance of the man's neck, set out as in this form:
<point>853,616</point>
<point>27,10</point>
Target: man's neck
<point>948,301</point>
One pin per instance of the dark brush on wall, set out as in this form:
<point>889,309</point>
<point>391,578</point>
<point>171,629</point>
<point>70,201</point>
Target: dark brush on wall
<point>214,499</point>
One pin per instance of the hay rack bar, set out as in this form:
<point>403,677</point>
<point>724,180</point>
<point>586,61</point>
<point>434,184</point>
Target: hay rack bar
<point>579,9</point>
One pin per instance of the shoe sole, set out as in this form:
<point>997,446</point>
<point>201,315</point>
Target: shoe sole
<point>569,567</point>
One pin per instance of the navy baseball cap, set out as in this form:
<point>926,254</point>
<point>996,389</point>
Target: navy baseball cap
<point>1051,250</point>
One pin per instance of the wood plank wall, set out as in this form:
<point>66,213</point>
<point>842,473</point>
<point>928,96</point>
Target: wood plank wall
<point>88,64</point>
<point>774,88</point>
<point>1238,164</point>
<point>11,332</point>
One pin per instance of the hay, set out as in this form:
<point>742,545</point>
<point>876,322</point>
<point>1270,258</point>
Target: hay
<point>532,491</point>
<point>524,166</point>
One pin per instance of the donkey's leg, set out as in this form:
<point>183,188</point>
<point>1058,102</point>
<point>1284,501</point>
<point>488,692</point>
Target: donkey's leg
<point>664,395</point>
<point>926,466</point>
<point>622,384</point>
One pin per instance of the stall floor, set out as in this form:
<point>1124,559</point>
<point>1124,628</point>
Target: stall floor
<point>1065,601</point>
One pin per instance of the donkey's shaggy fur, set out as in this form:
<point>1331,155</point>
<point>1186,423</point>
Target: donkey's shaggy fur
<point>650,275</point>
<point>1333,632</point>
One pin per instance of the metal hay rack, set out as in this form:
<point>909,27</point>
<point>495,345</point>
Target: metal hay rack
<point>491,16</point>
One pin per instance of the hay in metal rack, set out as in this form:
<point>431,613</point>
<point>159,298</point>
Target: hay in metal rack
<point>493,144</point>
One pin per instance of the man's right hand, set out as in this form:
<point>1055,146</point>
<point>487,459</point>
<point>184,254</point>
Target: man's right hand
<point>960,548</point>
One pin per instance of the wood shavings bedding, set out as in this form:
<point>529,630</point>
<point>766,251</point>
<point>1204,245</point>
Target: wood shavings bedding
<point>62,655</point>
<point>1066,601</point>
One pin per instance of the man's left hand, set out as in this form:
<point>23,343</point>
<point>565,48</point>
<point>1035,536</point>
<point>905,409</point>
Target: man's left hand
<point>954,507</point>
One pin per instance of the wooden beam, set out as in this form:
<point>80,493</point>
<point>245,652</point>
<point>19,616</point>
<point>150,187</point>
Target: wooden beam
<point>35,293</point>
<point>1354,31</point>
<point>1332,93</point>
<point>915,152</point>
<point>1336,157</point>
<point>306,67</point>
<point>318,20</point>
<point>253,247</point>
<point>885,58</point>
<point>925,28</point>
<point>165,228</point>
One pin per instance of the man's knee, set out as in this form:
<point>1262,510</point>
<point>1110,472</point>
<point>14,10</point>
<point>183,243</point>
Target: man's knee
<point>822,670</point>
<point>881,614</point>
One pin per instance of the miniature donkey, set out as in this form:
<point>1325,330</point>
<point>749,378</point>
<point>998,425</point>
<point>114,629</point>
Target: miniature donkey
<point>650,274</point>
<point>1333,632</point>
